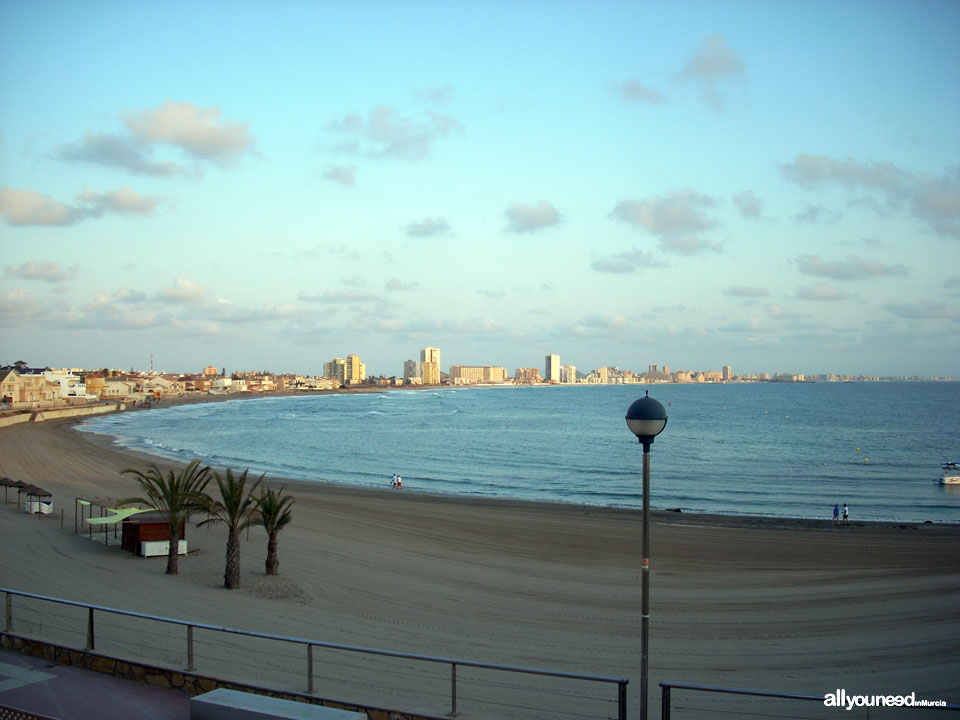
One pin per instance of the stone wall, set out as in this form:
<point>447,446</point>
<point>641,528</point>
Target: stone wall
<point>41,415</point>
<point>186,682</point>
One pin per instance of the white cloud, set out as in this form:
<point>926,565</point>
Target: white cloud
<point>340,297</point>
<point>119,151</point>
<point>429,227</point>
<point>439,94</point>
<point>745,291</point>
<point>26,207</point>
<point>932,200</point>
<point>821,293</point>
<point>48,271</point>
<point>523,218</point>
<point>714,63</point>
<point>184,290</point>
<point>937,202</point>
<point>818,214</point>
<point>688,245</point>
<point>749,205</point>
<point>124,201</point>
<point>384,133</point>
<point>923,310</point>
<point>680,213</point>
<point>397,285</point>
<point>750,326</point>
<point>605,320</point>
<point>199,132</point>
<point>778,312</point>
<point>635,91</point>
<point>341,174</point>
<point>19,305</point>
<point>676,219</point>
<point>853,268</point>
<point>808,170</point>
<point>625,262</point>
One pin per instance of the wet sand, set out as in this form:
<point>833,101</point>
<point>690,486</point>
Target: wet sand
<point>790,605</point>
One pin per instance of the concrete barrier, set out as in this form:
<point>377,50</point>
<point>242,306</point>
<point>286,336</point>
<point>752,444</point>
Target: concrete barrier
<point>223,704</point>
<point>8,420</point>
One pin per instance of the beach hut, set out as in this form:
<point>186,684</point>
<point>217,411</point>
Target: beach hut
<point>34,502</point>
<point>148,534</point>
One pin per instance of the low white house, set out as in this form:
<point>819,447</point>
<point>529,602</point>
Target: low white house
<point>71,386</point>
<point>225,385</point>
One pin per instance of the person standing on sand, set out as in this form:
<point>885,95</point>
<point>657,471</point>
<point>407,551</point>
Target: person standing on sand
<point>836,514</point>
<point>846,514</point>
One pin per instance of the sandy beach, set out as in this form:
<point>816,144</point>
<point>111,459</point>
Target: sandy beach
<point>789,605</point>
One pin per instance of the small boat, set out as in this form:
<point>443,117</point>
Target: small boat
<point>951,473</point>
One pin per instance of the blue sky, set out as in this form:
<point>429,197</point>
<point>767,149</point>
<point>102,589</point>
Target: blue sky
<point>773,186</point>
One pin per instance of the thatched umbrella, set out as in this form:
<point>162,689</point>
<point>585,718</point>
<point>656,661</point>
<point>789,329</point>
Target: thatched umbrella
<point>32,491</point>
<point>7,483</point>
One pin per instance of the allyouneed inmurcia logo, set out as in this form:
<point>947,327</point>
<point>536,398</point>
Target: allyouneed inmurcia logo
<point>841,698</point>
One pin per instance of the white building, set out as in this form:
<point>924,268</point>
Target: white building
<point>551,371</point>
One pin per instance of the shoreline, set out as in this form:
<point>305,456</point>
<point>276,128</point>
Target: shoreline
<point>764,603</point>
<point>108,442</point>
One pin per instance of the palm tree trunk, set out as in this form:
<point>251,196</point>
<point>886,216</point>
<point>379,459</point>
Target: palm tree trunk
<point>173,553</point>
<point>273,562</point>
<point>231,576</point>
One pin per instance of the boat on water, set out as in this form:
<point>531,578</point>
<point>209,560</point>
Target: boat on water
<point>951,473</point>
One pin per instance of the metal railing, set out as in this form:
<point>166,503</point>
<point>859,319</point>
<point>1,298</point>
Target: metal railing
<point>188,641</point>
<point>666,687</point>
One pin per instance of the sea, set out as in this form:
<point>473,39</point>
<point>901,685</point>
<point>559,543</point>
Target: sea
<point>766,449</point>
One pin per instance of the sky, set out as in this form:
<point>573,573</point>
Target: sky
<point>773,186</point>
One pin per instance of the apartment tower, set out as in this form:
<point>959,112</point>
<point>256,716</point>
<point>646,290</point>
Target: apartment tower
<point>552,369</point>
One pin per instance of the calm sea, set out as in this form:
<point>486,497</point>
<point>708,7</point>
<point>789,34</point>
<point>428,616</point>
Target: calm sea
<point>765,449</point>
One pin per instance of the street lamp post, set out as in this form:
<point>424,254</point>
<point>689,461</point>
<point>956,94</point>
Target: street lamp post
<point>646,419</point>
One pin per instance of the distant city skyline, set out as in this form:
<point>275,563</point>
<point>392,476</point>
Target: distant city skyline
<point>773,187</point>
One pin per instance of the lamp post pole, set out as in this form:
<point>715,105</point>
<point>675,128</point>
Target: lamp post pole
<point>646,419</point>
<point>645,584</point>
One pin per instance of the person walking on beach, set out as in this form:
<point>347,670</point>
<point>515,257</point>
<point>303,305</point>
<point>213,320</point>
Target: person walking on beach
<point>836,514</point>
<point>846,514</point>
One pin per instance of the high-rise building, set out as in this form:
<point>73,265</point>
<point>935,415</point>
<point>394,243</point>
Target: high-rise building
<point>568,374</point>
<point>356,371</point>
<point>430,372</point>
<point>727,373</point>
<point>411,370</point>
<point>336,369</point>
<point>552,368</point>
<point>430,355</point>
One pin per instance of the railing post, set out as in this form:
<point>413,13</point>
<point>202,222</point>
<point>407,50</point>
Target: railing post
<point>9,612</point>
<point>90,641</point>
<point>664,702</point>
<point>622,700</point>
<point>309,669</point>
<point>453,689</point>
<point>190,666</point>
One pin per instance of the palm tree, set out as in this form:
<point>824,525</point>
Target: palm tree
<point>275,513</point>
<point>176,496</point>
<point>237,510</point>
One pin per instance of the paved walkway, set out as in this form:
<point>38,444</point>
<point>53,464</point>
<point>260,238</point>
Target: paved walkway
<point>63,692</point>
